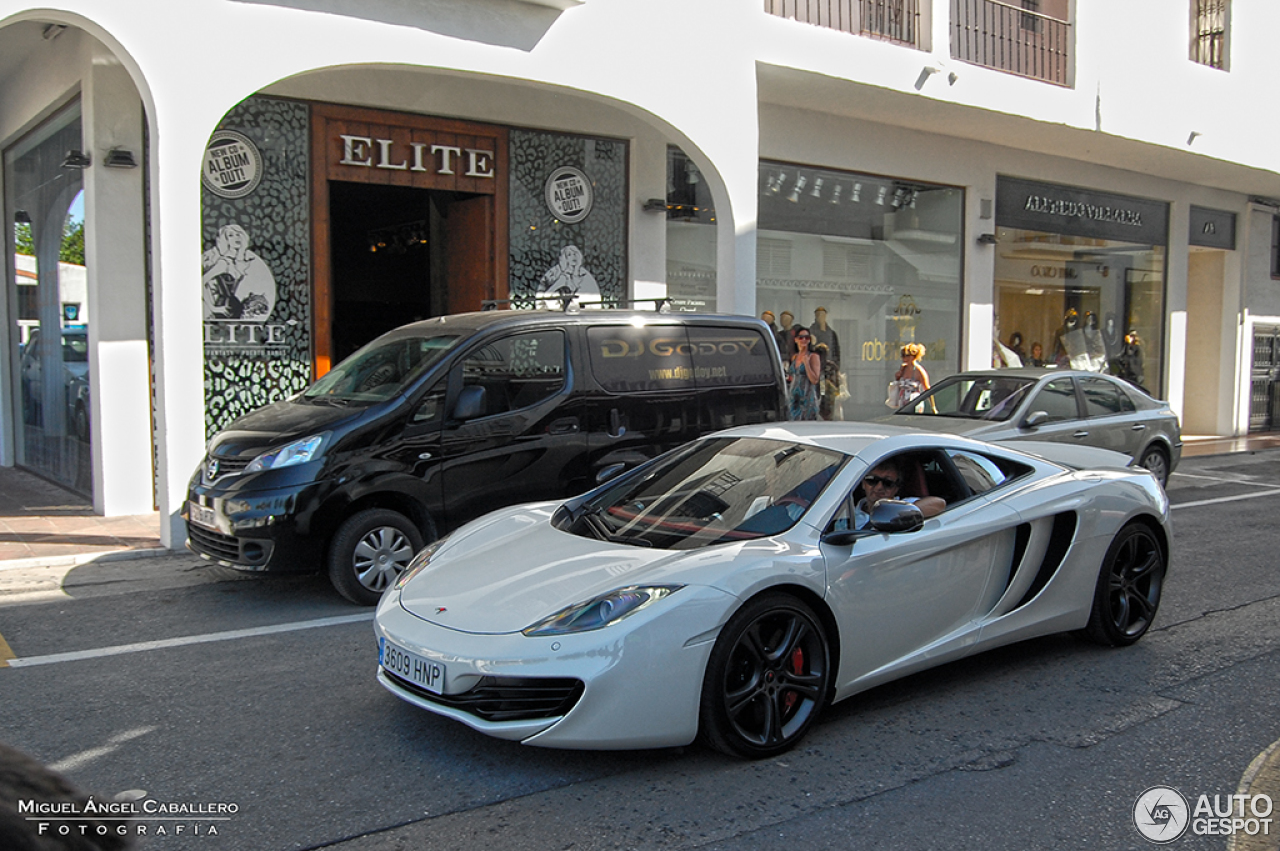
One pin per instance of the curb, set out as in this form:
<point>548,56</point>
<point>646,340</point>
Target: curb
<point>80,559</point>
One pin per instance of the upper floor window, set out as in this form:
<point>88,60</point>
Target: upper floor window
<point>1275,246</point>
<point>1210,27</point>
<point>1030,38</point>
<point>898,21</point>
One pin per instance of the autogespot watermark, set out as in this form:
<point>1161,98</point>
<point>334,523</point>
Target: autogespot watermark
<point>1162,814</point>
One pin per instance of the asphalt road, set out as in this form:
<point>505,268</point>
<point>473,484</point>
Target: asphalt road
<point>203,686</point>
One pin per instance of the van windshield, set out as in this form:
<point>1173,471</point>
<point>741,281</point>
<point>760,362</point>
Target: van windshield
<point>381,369</point>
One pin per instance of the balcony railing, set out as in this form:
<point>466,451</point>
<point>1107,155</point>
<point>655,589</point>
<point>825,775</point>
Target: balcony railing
<point>892,20</point>
<point>1011,38</point>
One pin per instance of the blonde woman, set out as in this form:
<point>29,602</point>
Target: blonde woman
<point>911,378</point>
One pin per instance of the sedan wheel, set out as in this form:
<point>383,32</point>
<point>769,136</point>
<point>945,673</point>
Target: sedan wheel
<point>767,678</point>
<point>1154,460</point>
<point>369,551</point>
<point>1128,591</point>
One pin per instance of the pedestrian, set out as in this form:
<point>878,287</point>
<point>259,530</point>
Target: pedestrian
<point>911,379</point>
<point>804,371</point>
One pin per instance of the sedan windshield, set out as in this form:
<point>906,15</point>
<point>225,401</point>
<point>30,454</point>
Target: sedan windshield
<point>708,492</point>
<point>380,370</point>
<point>992,398</point>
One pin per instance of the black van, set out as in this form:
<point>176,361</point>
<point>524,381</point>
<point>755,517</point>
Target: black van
<point>440,421</point>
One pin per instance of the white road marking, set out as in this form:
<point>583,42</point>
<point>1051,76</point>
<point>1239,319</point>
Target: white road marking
<point>142,646</point>
<point>1236,498</point>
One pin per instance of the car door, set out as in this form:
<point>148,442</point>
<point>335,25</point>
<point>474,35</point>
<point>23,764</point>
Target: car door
<point>901,593</point>
<point>1111,417</point>
<point>521,443</point>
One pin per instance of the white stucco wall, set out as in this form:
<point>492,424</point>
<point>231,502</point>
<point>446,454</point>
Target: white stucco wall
<point>655,72</point>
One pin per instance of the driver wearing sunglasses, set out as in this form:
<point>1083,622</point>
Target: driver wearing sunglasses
<point>885,482</point>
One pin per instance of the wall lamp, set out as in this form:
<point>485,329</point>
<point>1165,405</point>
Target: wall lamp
<point>76,159</point>
<point>987,239</point>
<point>120,158</point>
<point>655,205</point>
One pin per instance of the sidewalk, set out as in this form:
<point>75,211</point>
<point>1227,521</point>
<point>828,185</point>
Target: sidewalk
<point>42,524</point>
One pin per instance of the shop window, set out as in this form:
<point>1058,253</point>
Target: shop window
<point>868,264</point>
<point>49,331</point>
<point>691,238</point>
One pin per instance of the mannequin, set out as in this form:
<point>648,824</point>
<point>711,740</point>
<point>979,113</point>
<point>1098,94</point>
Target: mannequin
<point>786,335</point>
<point>769,320</point>
<point>827,344</point>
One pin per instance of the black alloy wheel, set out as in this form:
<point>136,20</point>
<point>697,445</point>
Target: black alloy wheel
<point>1128,591</point>
<point>1155,460</point>
<point>767,678</point>
<point>369,552</point>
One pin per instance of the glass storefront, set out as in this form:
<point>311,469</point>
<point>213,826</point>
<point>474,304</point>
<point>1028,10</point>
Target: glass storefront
<point>868,264</point>
<point>691,237</point>
<point>48,300</point>
<point>1079,281</point>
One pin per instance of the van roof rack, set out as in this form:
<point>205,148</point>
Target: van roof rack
<point>567,302</point>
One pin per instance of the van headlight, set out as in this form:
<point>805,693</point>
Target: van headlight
<point>298,452</point>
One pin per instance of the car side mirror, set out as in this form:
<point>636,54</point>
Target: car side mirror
<point>470,403</point>
<point>1035,419</point>
<point>896,515</point>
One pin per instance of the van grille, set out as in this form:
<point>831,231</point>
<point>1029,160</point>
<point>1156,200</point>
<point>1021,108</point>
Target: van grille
<point>215,467</point>
<point>227,549</point>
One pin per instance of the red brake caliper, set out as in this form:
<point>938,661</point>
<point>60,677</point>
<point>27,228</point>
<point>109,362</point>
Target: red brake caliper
<point>797,667</point>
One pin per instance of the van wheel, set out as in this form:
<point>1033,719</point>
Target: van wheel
<point>369,551</point>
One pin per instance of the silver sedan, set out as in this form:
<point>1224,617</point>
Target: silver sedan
<point>1054,405</point>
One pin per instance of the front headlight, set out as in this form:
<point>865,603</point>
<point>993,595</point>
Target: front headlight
<point>601,611</point>
<point>419,562</point>
<point>298,452</point>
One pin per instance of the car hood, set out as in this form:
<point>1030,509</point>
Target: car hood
<point>280,423</point>
<point>511,569</point>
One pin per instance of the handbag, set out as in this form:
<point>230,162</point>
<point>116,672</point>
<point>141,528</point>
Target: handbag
<point>894,397</point>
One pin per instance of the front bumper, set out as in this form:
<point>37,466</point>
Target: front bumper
<point>634,684</point>
<point>253,530</point>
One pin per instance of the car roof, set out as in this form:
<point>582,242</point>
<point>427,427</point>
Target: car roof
<point>1036,373</point>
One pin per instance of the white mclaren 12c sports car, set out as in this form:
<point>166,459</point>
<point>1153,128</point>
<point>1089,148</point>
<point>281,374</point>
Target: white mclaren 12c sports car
<point>730,589</point>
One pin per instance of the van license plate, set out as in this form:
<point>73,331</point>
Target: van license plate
<point>411,666</point>
<point>202,516</point>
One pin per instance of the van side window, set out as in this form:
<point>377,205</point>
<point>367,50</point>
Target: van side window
<point>626,359</point>
<point>730,357</point>
<point>517,371</point>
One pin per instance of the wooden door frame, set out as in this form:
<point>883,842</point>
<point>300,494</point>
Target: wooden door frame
<point>411,137</point>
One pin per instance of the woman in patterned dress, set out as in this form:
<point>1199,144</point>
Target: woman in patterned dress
<point>804,371</point>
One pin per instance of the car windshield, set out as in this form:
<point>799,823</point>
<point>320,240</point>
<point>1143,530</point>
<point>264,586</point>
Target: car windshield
<point>707,492</point>
<point>381,369</point>
<point>992,398</point>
